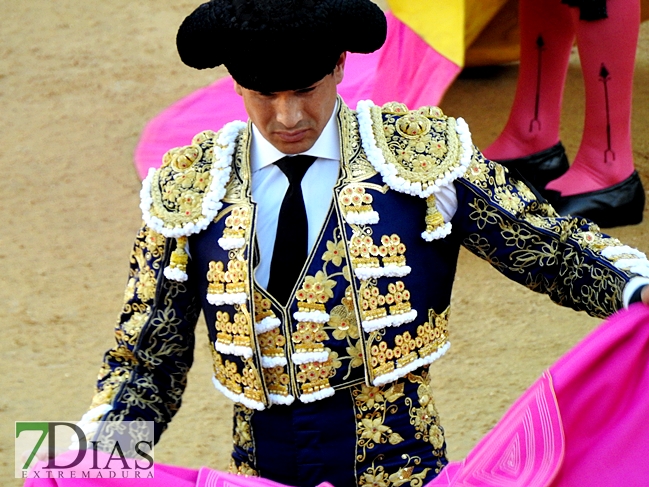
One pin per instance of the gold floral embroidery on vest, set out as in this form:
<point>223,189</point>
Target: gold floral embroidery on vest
<point>343,326</point>
<point>357,205</point>
<point>314,380</point>
<point>311,315</point>
<point>425,418</point>
<point>373,404</point>
<point>236,225</point>
<point>242,438</point>
<point>277,381</point>
<point>227,286</point>
<point>409,353</point>
<point>315,362</point>
<point>375,306</point>
<point>371,261</point>
<point>243,386</point>
<point>233,335</point>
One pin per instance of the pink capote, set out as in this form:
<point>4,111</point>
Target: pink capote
<point>405,69</point>
<point>582,423</point>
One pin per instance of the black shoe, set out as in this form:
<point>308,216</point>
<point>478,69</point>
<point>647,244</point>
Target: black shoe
<point>619,205</point>
<point>540,168</point>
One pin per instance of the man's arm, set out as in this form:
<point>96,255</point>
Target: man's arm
<point>144,375</point>
<point>569,259</point>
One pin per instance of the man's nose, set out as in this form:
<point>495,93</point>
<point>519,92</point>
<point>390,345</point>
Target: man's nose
<point>288,110</point>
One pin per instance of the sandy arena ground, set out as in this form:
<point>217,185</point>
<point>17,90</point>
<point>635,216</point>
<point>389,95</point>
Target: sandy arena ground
<point>78,81</point>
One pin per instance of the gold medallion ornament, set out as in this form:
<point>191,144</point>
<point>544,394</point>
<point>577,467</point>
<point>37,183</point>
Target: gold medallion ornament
<point>409,352</point>
<point>375,306</point>
<point>413,125</point>
<point>236,224</point>
<point>357,205</point>
<point>227,286</point>
<point>370,260</point>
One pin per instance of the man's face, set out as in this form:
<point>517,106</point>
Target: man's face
<point>293,120</point>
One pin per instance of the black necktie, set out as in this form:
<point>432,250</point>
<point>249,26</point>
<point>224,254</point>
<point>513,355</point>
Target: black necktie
<point>291,241</point>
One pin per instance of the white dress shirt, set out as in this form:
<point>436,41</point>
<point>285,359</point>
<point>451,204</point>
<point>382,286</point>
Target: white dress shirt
<point>269,184</point>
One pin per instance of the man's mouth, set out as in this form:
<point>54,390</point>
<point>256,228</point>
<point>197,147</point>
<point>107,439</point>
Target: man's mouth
<point>291,136</point>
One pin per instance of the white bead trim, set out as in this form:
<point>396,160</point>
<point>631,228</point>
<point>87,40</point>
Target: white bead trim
<point>270,362</point>
<point>232,349</point>
<point>278,399</point>
<point>316,396</point>
<point>362,217</point>
<point>267,324</point>
<point>218,299</point>
<point>308,357</point>
<point>402,371</point>
<point>438,233</point>
<point>391,270</point>
<point>390,320</point>
<point>229,243</point>
<point>311,316</point>
<point>239,398</point>
<point>175,274</point>
<point>639,266</point>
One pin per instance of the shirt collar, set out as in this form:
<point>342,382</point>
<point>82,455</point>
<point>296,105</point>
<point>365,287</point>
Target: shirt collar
<point>263,153</point>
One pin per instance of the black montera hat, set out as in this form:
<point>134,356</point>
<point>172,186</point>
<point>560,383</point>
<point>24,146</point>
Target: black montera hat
<point>277,45</point>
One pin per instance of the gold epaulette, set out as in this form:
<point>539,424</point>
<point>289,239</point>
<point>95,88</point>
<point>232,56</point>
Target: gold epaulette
<point>418,152</point>
<point>184,195</point>
<point>425,148</point>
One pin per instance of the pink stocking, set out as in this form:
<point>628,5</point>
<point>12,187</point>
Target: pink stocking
<point>547,35</point>
<point>607,51</point>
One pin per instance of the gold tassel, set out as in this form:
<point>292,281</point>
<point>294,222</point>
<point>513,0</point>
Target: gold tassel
<point>179,257</point>
<point>434,219</point>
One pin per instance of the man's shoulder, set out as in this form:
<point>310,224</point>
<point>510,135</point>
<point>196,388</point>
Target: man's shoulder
<point>416,151</point>
<point>184,195</point>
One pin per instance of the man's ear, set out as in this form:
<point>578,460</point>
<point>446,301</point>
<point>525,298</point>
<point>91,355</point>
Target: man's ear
<point>339,70</point>
<point>238,89</point>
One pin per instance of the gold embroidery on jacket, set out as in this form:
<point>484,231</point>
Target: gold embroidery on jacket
<point>355,165</point>
<point>375,305</point>
<point>242,438</point>
<point>230,281</point>
<point>512,209</point>
<point>373,404</point>
<point>246,381</point>
<point>236,331</point>
<point>237,222</point>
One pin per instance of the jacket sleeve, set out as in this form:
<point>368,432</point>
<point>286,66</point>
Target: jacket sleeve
<point>144,375</point>
<point>502,221</point>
